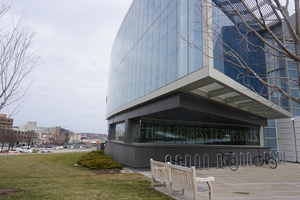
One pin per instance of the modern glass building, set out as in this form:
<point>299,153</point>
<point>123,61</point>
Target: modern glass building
<point>174,88</point>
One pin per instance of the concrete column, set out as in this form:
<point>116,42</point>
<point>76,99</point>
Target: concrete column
<point>261,136</point>
<point>128,131</point>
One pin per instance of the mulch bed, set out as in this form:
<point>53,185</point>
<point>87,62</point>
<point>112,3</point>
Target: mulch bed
<point>8,192</point>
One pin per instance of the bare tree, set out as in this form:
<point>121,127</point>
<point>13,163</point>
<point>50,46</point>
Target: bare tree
<point>17,59</point>
<point>266,21</point>
<point>12,138</point>
<point>67,135</point>
<point>30,137</point>
<point>3,136</point>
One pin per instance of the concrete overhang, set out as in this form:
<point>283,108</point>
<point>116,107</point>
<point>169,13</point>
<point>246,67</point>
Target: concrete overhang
<point>220,88</point>
<point>213,85</point>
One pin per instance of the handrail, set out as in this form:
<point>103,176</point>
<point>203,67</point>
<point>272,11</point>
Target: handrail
<point>166,158</point>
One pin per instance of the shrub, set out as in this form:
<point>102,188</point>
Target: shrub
<point>98,160</point>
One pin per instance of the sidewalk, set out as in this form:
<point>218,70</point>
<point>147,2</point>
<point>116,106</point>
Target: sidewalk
<point>248,183</point>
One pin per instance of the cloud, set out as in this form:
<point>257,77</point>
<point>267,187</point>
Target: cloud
<point>69,87</point>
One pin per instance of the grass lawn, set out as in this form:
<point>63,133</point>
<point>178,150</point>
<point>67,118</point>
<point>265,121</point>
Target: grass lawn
<point>54,176</point>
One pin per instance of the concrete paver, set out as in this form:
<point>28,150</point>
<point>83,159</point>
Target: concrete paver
<point>248,183</point>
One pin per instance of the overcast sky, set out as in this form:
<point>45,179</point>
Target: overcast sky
<point>70,85</point>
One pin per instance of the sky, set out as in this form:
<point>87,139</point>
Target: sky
<point>70,84</point>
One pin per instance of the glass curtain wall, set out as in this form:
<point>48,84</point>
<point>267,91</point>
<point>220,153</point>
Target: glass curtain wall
<point>270,135</point>
<point>232,41</point>
<point>148,52</point>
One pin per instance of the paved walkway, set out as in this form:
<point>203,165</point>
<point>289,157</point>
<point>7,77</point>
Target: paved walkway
<point>249,183</point>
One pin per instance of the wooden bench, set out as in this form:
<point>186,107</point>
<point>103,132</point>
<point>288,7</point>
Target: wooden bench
<point>159,172</point>
<point>180,177</point>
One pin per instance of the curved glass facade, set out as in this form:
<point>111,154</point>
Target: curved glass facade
<point>148,52</point>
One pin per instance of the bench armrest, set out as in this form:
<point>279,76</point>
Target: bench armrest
<point>205,179</point>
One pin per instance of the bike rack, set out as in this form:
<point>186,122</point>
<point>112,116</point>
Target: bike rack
<point>185,160</point>
<point>234,155</point>
<point>277,158</point>
<point>219,155</point>
<point>166,158</point>
<point>206,155</point>
<point>271,154</point>
<point>180,159</point>
<point>283,153</point>
<point>265,157</point>
<point>248,153</point>
<point>195,161</point>
<point>242,155</point>
<point>280,157</point>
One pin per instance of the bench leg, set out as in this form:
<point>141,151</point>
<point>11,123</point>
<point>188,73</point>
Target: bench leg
<point>152,182</point>
<point>210,192</point>
<point>170,189</point>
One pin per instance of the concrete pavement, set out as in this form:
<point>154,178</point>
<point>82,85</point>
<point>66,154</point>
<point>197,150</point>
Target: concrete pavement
<point>248,183</point>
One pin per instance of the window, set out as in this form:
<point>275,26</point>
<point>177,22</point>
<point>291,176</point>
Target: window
<point>119,132</point>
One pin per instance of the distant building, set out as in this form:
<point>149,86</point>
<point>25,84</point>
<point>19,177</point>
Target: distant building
<point>62,135</point>
<point>75,138</point>
<point>6,122</point>
<point>45,133</point>
<point>31,126</point>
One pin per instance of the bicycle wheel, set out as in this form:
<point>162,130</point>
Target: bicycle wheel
<point>272,163</point>
<point>258,161</point>
<point>233,164</point>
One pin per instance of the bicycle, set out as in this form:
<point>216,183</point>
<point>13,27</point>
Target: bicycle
<point>226,159</point>
<point>260,160</point>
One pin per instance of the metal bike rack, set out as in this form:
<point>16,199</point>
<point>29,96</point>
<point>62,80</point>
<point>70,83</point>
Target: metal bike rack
<point>242,155</point>
<point>219,155</point>
<point>249,155</point>
<point>272,154</point>
<point>277,158</point>
<point>283,153</point>
<point>180,159</point>
<point>185,160</point>
<point>195,161</point>
<point>206,155</point>
<point>166,158</point>
<point>280,157</point>
<point>234,155</point>
<point>265,156</point>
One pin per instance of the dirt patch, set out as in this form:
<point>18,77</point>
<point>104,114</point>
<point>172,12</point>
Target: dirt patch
<point>8,192</point>
<point>108,171</point>
<point>246,193</point>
